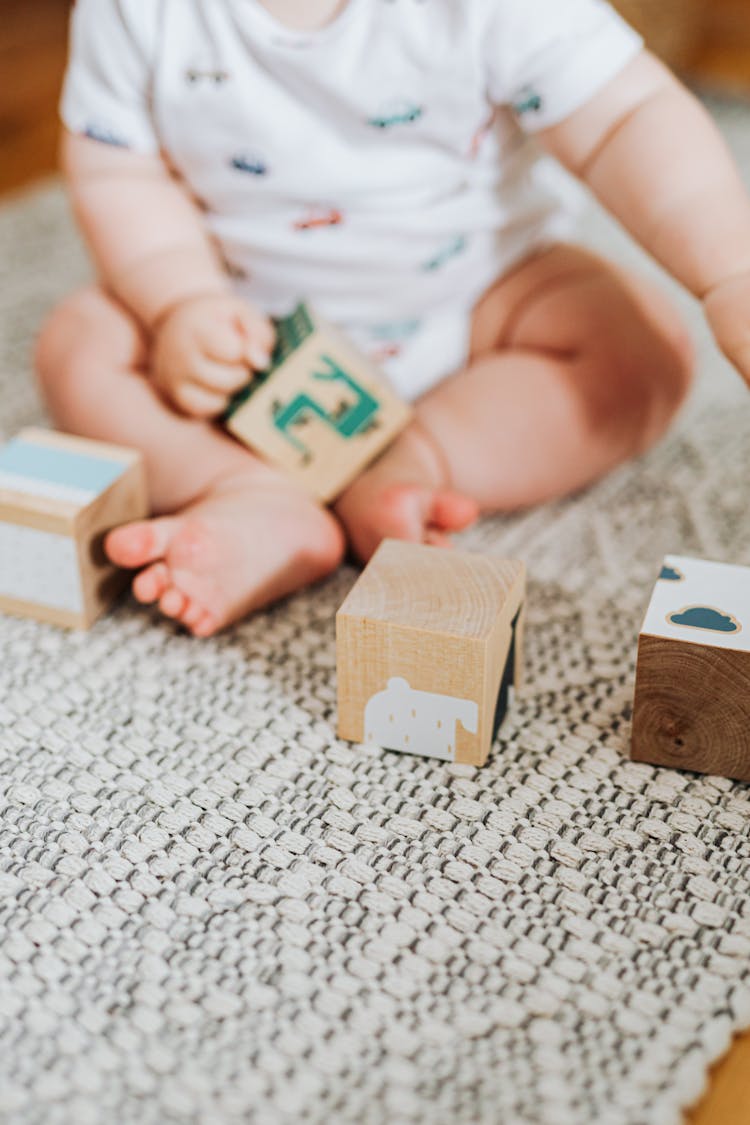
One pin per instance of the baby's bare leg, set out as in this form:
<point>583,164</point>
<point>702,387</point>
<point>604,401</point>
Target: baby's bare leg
<point>574,367</point>
<point>242,536</point>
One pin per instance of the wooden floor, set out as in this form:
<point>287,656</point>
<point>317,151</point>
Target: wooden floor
<point>32,37</point>
<point>724,61</point>
<point>32,56</point>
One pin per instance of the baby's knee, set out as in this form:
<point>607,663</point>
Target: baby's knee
<point>638,377</point>
<point>63,340</point>
<point>61,345</point>
<point>82,334</point>
<point>646,362</point>
<point>679,366</point>
<point>669,378</point>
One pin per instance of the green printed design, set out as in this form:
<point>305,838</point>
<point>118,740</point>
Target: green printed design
<point>350,420</point>
<point>291,333</point>
<point>452,250</point>
<point>528,101</point>
<point>396,113</point>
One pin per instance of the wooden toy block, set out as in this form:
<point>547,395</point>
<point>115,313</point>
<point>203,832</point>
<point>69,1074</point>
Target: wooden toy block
<point>321,412</point>
<point>428,643</point>
<point>692,687</point>
<point>59,495</point>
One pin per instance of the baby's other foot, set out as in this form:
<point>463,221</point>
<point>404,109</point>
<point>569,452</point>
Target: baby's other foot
<point>403,511</point>
<point>249,541</point>
<point>402,496</point>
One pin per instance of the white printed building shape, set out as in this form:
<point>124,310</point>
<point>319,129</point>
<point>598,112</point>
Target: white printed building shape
<point>419,722</point>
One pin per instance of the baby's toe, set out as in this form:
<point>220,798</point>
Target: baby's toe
<point>191,614</point>
<point>452,511</point>
<point>172,602</point>
<point>136,544</point>
<point>205,626</point>
<point>437,538</point>
<point>150,584</point>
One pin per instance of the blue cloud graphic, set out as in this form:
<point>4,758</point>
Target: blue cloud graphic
<point>705,617</point>
<point>671,574</point>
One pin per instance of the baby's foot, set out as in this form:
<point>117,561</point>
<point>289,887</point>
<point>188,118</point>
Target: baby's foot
<point>249,541</point>
<point>403,496</point>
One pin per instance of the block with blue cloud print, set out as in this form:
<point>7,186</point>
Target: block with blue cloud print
<point>692,689</point>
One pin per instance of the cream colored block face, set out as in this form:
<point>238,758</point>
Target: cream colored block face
<point>322,412</point>
<point>692,689</point>
<point>59,495</point>
<point>428,642</point>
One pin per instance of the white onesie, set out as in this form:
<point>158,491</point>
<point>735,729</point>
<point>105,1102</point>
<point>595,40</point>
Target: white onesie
<point>377,167</point>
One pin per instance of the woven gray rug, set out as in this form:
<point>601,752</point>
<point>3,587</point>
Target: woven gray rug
<point>211,910</point>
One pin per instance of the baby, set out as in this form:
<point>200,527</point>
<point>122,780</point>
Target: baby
<point>228,158</point>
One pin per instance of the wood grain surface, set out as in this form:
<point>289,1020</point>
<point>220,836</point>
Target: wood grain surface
<point>32,52</point>
<point>692,707</point>
<point>435,622</point>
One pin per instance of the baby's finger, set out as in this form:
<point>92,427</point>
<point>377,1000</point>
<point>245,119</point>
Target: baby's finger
<point>259,335</point>
<point>198,401</point>
<point>226,378</point>
<point>222,339</point>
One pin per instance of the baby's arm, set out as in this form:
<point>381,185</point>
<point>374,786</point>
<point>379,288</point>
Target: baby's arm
<point>154,255</point>
<point>652,155</point>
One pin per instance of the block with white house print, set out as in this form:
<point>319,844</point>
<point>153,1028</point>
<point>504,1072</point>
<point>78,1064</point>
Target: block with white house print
<point>692,688</point>
<point>428,644</point>
<point>59,495</point>
<point>321,412</point>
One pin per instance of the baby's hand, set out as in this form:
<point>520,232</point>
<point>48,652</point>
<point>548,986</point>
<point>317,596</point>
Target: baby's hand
<point>727,307</point>
<point>206,349</point>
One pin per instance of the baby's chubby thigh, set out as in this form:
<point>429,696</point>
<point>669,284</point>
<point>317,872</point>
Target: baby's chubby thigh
<point>86,343</point>
<point>613,336</point>
<point>573,365</point>
<point>92,365</point>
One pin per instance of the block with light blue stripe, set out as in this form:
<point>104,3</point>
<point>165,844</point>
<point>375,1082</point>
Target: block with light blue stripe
<point>59,474</point>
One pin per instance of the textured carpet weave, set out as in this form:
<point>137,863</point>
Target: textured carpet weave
<point>212,910</point>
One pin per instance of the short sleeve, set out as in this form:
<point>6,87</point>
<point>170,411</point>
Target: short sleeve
<point>107,89</point>
<point>547,58</point>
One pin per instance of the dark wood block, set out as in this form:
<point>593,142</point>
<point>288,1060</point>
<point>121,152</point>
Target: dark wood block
<point>692,691</point>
